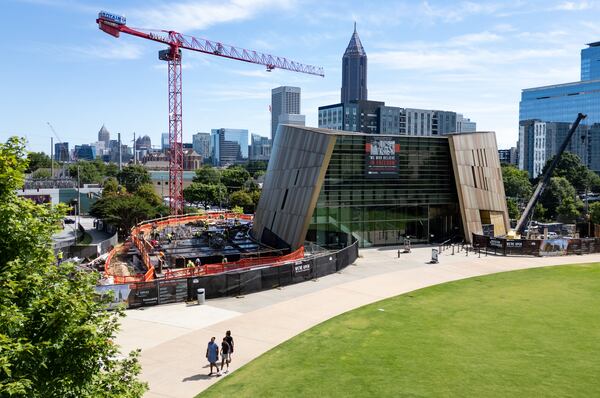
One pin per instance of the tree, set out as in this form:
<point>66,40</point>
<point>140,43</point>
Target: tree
<point>37,160</point>
<point>207,175</point>
<point>560,200</point>
<point>255,166</point>
<point>516,183</point>
<point>595,212</point>
<point>243,200</point>
<point>146,192</point>
<point>88,172</point>
<point>133,176</point>
<point>234,178</point>
<point>110,187</point>
<point>41,174</point>
<point>571,168</point>
<point>205,194</point>
<point>111,170</point>
<point>124,211</point>
<point>55,333</point>
<point>513,208</point>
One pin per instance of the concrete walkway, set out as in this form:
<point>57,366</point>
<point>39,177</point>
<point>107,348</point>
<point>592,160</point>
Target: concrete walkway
<point>173,338</point>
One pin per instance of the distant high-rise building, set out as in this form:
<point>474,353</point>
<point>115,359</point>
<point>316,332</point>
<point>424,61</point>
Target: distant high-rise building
<point>85,152</point>
<point>465,125</point>
<point>285,100</point>
<point>354,71</point>
<point>508,156</point>
<point>590,62</point>
<point>164,141</point>
<point>260,148</point>
<point>229,146</point>
<point>374,117</point>
<point>104,135</point>
<point>143,143</point>
<point>201,144</point>
<point>297,120</point>
<point>556,107</point>
<point>61,151</point>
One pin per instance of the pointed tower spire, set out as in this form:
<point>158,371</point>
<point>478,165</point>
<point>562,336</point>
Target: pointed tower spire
<point>354,70</point>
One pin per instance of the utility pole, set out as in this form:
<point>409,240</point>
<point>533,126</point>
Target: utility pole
<point>120,158</point>
<point>78,200</point>
<point>52,158</point>
<point>134,150</point>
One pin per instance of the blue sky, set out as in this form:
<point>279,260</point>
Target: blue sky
<point>468,57</point>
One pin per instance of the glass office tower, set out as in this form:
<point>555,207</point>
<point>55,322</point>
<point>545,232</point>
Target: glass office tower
<point>417,200</point>
<point>550,106</point>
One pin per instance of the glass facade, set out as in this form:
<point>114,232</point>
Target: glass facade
<point>590,62</point>
<point>229,146</point>
<point>419,201</point>
<point>562,103</point>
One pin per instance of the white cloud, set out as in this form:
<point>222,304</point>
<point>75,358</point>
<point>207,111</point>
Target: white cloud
<point>193,15</point>
<point>574,6</point>
<point>109,49</point>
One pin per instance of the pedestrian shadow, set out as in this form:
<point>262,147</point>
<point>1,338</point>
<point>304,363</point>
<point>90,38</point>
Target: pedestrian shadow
<point>199,376</point>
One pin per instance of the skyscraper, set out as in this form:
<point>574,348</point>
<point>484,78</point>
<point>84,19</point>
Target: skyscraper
<point>104,135</point>
<point>229,146</point>
<point>164,142</point>
<point>285,100</point>
<point>590,62</point>
<point>201,144</point>
<point>555,107</point>
<point>354,71</point>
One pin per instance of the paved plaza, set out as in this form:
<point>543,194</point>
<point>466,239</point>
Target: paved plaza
<point>173,338</point>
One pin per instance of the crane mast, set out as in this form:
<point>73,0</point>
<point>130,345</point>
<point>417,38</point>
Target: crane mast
<point>114,25</point>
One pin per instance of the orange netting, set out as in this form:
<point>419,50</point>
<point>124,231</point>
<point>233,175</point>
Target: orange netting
<point>138,239</point>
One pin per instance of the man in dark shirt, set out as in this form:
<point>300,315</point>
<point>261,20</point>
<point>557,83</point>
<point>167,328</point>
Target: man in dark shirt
<point>229,340</point>
<point>225,355</point>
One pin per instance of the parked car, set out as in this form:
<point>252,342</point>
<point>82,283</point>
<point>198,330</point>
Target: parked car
<point>69,221</point>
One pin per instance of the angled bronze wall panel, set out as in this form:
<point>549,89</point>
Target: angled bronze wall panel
<point>300,151</point>
<point>479,181</point>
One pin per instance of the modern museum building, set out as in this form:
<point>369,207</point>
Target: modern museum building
<point>332,187</point>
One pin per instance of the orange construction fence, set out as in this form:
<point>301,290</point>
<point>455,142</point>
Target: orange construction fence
<point>138,239</point>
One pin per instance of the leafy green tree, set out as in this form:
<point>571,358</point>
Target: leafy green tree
<point>110,187</point>
<point>124,211</point>
<point>134,176</point>
<point>560,199</point>
<point>205,194</point>
<point>571,168</point>
<point>111,170</point>
<point>88,172</point>
<point>539,212</point>
<point>146,192</point>
<point>595,212</point>
<point>41,174</point>
<point>255,166</point>
<point>207,175</point>
<point>513,208</point>
<point>55,333</point>
<point>516,183</point>
<point>37,160</point>
<point>234,178</point>
<point>243,200</point>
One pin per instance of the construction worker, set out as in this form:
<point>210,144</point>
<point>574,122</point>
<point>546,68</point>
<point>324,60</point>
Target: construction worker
<point>59,257</point>
<point>170,237</point>
<point>190,264</point>
<point>198,262</point>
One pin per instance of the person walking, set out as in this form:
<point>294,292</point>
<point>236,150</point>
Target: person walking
<point>212,355</point>
<point>225,355</point>
<point>229,340</point>
<point>59,257</point>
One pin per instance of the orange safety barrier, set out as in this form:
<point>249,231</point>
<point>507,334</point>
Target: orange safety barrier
<point>144,247</point>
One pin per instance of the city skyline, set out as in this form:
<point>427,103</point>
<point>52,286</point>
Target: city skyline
<point>472,58</point>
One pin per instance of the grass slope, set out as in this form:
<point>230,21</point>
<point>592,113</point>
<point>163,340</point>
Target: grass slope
<point>525,333</point>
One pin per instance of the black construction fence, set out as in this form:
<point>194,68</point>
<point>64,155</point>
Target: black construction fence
<point>232,283</point>
<point>535,247</point>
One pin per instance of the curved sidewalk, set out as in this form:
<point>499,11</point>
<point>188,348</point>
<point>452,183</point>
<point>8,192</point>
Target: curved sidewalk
<point>173,338</point>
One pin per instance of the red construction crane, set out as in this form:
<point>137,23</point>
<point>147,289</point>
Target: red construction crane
<point>114,25</point>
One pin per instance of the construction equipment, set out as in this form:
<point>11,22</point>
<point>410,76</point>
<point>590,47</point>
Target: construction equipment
<point>114,25</point>
<point>528,212</point>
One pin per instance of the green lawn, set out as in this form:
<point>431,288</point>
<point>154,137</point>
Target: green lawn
<point>531,333</point>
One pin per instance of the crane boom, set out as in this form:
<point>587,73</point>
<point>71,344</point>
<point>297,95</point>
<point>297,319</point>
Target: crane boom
<point>206,46</point>
<point>114,25</point>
